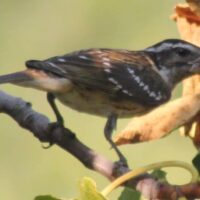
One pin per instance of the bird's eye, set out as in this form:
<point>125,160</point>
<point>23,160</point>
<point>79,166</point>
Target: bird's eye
<point>182,52</point>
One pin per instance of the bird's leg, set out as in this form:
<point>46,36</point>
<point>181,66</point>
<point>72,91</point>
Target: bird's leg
<point>51,100</point>
<point>59,118</point>
<point>59,123</point>
<point>108,130</point>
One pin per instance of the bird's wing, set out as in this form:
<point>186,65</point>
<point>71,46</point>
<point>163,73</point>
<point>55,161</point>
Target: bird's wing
<point>121,74</point>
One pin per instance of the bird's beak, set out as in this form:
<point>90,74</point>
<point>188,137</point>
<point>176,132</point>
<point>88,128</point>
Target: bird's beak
<point>195,66</point>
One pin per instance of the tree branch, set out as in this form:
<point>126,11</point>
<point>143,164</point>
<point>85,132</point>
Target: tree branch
<point>38,125</point>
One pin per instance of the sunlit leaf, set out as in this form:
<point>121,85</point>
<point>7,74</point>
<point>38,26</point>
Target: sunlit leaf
<point>88,190</point>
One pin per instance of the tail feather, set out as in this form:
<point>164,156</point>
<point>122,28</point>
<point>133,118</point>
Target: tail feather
<point>15,77</point>
<point>37,79</point>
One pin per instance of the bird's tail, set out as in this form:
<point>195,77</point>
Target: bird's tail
<point>15,78</point>
<point>37,79</point>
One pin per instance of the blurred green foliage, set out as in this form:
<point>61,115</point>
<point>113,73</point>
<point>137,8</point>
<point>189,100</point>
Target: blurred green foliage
<point>46,197</point>
<point>43,28</point>
<point>130,194</point>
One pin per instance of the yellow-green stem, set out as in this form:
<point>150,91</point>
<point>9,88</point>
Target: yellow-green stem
<point>139,171</point>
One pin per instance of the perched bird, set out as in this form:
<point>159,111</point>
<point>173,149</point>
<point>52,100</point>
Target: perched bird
<point>111,82</point>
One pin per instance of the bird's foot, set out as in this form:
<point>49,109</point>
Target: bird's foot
<point>122,160</point>
<point>52,127</point>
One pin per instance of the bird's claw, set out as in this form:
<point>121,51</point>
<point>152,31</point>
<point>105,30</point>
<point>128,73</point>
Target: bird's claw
<point>51,127</point>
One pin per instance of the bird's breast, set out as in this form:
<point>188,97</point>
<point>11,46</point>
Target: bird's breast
<point>97,103</point>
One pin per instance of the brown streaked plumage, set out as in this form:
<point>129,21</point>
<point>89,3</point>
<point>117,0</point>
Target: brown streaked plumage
<point>109,82</point>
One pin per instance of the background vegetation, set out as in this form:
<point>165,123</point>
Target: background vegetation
<point>41,29</point>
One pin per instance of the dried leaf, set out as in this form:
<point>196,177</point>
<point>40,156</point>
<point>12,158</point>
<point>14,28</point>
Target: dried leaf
<point>160,121</point>
<point>184,111</point>
<point>188,22</point>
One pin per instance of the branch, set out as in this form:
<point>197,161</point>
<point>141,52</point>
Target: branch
<point>38,125</point>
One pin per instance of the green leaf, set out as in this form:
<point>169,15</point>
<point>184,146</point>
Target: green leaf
<point>46,197</point>
<point>89,191</point>
<point>129,194</point>
<point>160,175</point>
<point>196,162</point>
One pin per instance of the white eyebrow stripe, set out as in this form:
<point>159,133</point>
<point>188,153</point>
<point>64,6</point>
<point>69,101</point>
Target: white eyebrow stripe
<point>182,45</point>
<point>168,45</point>
<point>160,48</point>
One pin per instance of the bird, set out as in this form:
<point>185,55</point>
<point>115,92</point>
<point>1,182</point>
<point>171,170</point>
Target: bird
<point>113,83</point>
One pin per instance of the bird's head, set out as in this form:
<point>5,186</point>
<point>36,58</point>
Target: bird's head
<point>175,59</point>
